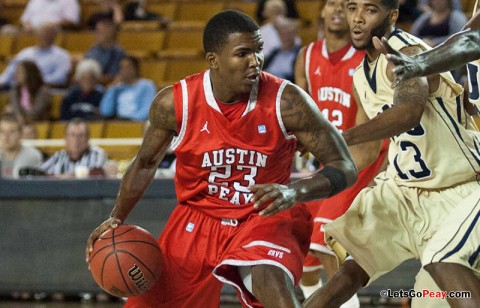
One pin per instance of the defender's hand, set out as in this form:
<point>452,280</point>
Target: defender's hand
<point>107,224</point>
<point>405,67</point>
<point>280,197</point>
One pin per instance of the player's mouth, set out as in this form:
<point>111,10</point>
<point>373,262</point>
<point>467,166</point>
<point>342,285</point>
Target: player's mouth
<point>253,77</point>
<point>337,18</point>
<point>357,34</point>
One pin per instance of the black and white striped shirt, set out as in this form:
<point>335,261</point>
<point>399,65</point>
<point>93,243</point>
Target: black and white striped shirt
<point>60,162</point>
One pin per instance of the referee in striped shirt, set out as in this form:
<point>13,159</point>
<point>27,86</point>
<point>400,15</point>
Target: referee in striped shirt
<point>77,152</point>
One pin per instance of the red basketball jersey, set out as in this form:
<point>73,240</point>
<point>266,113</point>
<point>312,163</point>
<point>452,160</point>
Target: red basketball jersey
<point>218,159</point>
<point>330,84</point>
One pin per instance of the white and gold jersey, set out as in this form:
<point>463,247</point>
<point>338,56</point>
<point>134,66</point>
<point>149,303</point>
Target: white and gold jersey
<point>473,74</point>
<point>444,149</point>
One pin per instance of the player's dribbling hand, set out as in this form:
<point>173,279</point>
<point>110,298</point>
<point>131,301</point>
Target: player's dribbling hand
<point>405,67</point>
<point>280,197</point>
<point>107,224</point>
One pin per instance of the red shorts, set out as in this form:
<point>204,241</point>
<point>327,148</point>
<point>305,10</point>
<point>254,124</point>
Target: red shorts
<point>334,207</point>
<point>201,253</point>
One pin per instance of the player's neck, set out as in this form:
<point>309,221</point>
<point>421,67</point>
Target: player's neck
<point>336,41</point>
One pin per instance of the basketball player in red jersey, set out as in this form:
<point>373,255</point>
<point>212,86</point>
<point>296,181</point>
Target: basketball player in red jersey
<point>239,220</point>
<point>325,68</point>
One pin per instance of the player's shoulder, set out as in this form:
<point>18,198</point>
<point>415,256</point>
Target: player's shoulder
<point>406,42</point>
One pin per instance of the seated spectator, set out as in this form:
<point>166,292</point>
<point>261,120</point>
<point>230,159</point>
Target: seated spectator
<point>439,23</point>
<point>136,10</point>
<point>274,11</point>
<point>131,96</point>
<point>63,13</point>
<point>83,98</point>
<point>424,5</point>
<point>14,155</point>
<point>290,10</point>
<point>408,11</point>
<point>30,99</point>
<point>109,10</point>
<point>77,153</point>
<point>281,61</point>
<point>54,62</point>
<point>106,51</point>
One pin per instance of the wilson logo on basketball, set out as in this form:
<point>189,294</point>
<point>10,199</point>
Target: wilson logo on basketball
<point>137,277</point>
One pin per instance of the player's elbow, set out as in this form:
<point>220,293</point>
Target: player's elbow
<point>470,44</point>
<point>351,173</point>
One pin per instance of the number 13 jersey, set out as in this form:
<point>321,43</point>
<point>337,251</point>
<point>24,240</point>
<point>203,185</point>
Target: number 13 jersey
<point>443,150</point>
<point>218,159</point>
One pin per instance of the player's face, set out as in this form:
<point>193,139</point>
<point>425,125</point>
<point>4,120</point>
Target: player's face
<point>334,17</point>
<point>239,63</point>
<point>366,18</point>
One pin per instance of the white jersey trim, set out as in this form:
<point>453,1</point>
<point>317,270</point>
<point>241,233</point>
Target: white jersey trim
<point>308,54</point>
<point>212,102</point>
<point>279,113</point>
<point>266,244</point>
<point>178,139</point>
<point>321,248</point>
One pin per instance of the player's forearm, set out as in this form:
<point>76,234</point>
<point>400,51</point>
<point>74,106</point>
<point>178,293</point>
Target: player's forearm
<point>134,183</point>
<point>459,49</point>
<point>391,122</point>
<point>365,154</point>
<point>321,185</point>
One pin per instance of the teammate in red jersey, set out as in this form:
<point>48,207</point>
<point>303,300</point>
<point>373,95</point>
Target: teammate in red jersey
<point>325,68</point>
<point>239,220</point>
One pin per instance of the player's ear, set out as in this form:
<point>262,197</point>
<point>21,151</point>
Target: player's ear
<point>211,58</point>
<point>392,18</point>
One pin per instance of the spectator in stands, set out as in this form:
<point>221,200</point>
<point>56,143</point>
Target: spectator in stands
<point>136,10</point>
<point>106,51</point>
<point>131,96</point>
<point>77,153</point>
<point>83,98</point>
<point>409,10</point>
<point>30,99</point>
<point>281,60</point>
<point>274,11</point>
<point>54,62</point>
<point>14,155</point>
<point>109,10</point>
<point>425,6</point>
<point>64,13</point>
<point>439,23</point>
<point>290,10</point>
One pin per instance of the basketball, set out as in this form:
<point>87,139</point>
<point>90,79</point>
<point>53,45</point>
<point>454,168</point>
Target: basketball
<point>126,261</point>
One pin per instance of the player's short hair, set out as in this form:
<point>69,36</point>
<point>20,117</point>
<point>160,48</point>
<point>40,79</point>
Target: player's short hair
<point>391,4</point>
<point>220,26</point>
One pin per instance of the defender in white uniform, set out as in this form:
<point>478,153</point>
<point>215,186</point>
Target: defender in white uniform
<point>434,160</point>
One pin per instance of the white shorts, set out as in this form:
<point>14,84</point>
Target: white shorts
<point>458,238</point>
<point>388,224</point>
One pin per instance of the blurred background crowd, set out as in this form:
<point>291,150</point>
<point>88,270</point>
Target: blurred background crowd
<point>96,65</point>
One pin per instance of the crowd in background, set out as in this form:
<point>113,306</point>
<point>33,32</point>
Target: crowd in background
<point>106,82</point>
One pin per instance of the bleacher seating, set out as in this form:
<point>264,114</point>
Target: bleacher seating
<point>166,54</point>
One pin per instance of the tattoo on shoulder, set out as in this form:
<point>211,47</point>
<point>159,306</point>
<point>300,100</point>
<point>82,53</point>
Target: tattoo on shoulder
<point>297,117</point>
<point>411,90</point>
<point>163,113</point>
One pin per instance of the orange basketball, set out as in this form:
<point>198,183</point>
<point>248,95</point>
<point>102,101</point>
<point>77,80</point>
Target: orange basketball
<point>126,261</point>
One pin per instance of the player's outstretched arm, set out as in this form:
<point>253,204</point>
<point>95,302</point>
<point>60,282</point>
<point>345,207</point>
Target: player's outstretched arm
<point>409,101</point>
<point>142,170</point>
<point>457,50</point>
<point>301,116</point>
